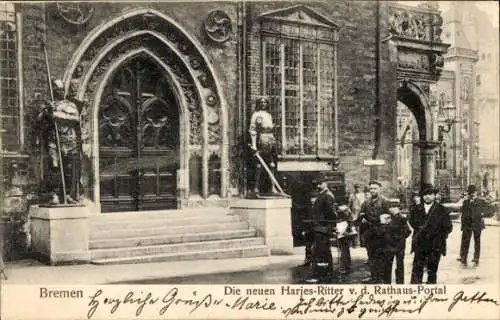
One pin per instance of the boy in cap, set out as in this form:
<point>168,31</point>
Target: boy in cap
<point>431,224</point>
<point>391,236</point>
<point>472,224</point>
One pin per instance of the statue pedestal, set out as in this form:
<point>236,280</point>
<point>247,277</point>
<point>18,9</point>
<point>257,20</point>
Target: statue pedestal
<point>272,220</point>
<point>60,234</point>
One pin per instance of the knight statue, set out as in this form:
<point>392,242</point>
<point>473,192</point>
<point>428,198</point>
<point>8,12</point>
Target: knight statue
<point>59,137</point>
<point>263,144</point>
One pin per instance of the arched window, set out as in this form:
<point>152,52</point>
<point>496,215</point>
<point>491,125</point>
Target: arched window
<point>9,77</point>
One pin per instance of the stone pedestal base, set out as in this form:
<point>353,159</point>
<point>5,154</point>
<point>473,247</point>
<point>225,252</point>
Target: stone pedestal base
<point>272,220</point>
<point>60,234</point>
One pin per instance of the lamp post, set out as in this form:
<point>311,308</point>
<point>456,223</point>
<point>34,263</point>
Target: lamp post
<point>446,119</point>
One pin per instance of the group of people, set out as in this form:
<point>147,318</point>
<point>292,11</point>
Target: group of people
<point>369,220</point>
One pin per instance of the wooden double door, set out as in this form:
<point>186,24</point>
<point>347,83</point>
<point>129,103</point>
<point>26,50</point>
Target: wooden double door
<point>138,140</point>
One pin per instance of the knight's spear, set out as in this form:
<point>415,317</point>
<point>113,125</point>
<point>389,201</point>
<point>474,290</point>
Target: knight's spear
<point>58,142</point>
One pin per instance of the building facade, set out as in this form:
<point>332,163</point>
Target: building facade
<point>468,87</point>
<point>167,90</point>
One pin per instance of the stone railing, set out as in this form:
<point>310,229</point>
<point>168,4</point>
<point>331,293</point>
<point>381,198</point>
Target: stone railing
<point>415,23</point>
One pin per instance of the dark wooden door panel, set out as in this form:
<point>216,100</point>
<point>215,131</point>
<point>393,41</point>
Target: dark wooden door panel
<point>139,139</point>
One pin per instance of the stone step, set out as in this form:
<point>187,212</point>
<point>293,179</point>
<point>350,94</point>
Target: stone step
<point>152,214</point>
<point>145,222</point>
<point>111,253</point>
<point>230,253</point>
<point>135,232</point>
<point>171,239</point>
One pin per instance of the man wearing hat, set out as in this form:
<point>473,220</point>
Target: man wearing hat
<point>369,220</point>
<point>472,224</point>
<point>431,225</point>
<point>323,216</point>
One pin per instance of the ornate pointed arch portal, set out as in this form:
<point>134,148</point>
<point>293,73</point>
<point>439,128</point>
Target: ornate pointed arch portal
<point>143,78</point>
<point>415,38</point>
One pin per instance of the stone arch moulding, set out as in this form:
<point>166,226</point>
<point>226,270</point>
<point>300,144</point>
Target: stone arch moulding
<point>422,112</point>
<point>180,55</point>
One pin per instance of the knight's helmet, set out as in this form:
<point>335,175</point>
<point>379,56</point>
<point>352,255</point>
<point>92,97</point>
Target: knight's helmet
<point>58,88</point>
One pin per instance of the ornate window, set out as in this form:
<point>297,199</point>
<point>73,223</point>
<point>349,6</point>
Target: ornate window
<point>9,79</point>
<point>299,77</point>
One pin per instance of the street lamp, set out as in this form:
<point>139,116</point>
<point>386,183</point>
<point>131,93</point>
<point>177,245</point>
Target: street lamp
<point>446,119</point>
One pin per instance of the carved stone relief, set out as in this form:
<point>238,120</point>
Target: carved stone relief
<point>437,63</point>
<point>184,76</point>
<point>415,24</point>
<point>153,22</point>
<point>413,61</point>
<point>409,25</point>
<point>437,23</point>
<point>75,12</point>
<point>195,123</point>
<point>181,74</point>
<point>218,26</point>
<point>213,134</point>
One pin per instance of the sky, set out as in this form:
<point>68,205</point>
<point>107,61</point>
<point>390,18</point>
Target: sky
<point>489,7</point>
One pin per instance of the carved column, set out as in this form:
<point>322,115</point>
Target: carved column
<point>427,162</point>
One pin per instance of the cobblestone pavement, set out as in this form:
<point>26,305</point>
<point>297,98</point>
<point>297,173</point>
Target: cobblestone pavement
<point>450,271</point>
<point>267,270</point>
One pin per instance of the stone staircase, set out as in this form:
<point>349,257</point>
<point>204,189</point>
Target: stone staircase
<point>172,235</point>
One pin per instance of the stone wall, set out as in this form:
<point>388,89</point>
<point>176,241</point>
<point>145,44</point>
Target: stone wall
<point>356,83</point>
<point>356,67</point>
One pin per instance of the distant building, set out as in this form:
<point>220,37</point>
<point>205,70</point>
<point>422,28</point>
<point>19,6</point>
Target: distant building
<point>473,155</point>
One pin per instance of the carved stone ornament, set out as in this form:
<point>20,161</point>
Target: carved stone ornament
<point>409,25</point>
<point>437,62</point>
<point>186,65</point>
<point>413,61</point>
<point>76,13</point>
<point>218,26</point>
<point>211,100</point>
<point>212,116</point>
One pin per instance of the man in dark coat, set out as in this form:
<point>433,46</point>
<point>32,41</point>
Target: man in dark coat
<point>369,219</point>
<point>431,226</point>
<point>323,219</point>
<point>472,223</point>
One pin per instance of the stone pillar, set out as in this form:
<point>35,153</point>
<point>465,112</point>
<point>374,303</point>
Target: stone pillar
<point>60,234</point>
<point>427,162</point>
<point>272,218</point>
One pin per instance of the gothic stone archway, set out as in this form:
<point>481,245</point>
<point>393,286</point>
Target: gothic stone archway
<point>415,36</point>
<point>202,108</point>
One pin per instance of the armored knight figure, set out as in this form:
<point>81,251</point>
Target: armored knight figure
<point>60,138</point>
<point>263,141</point>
